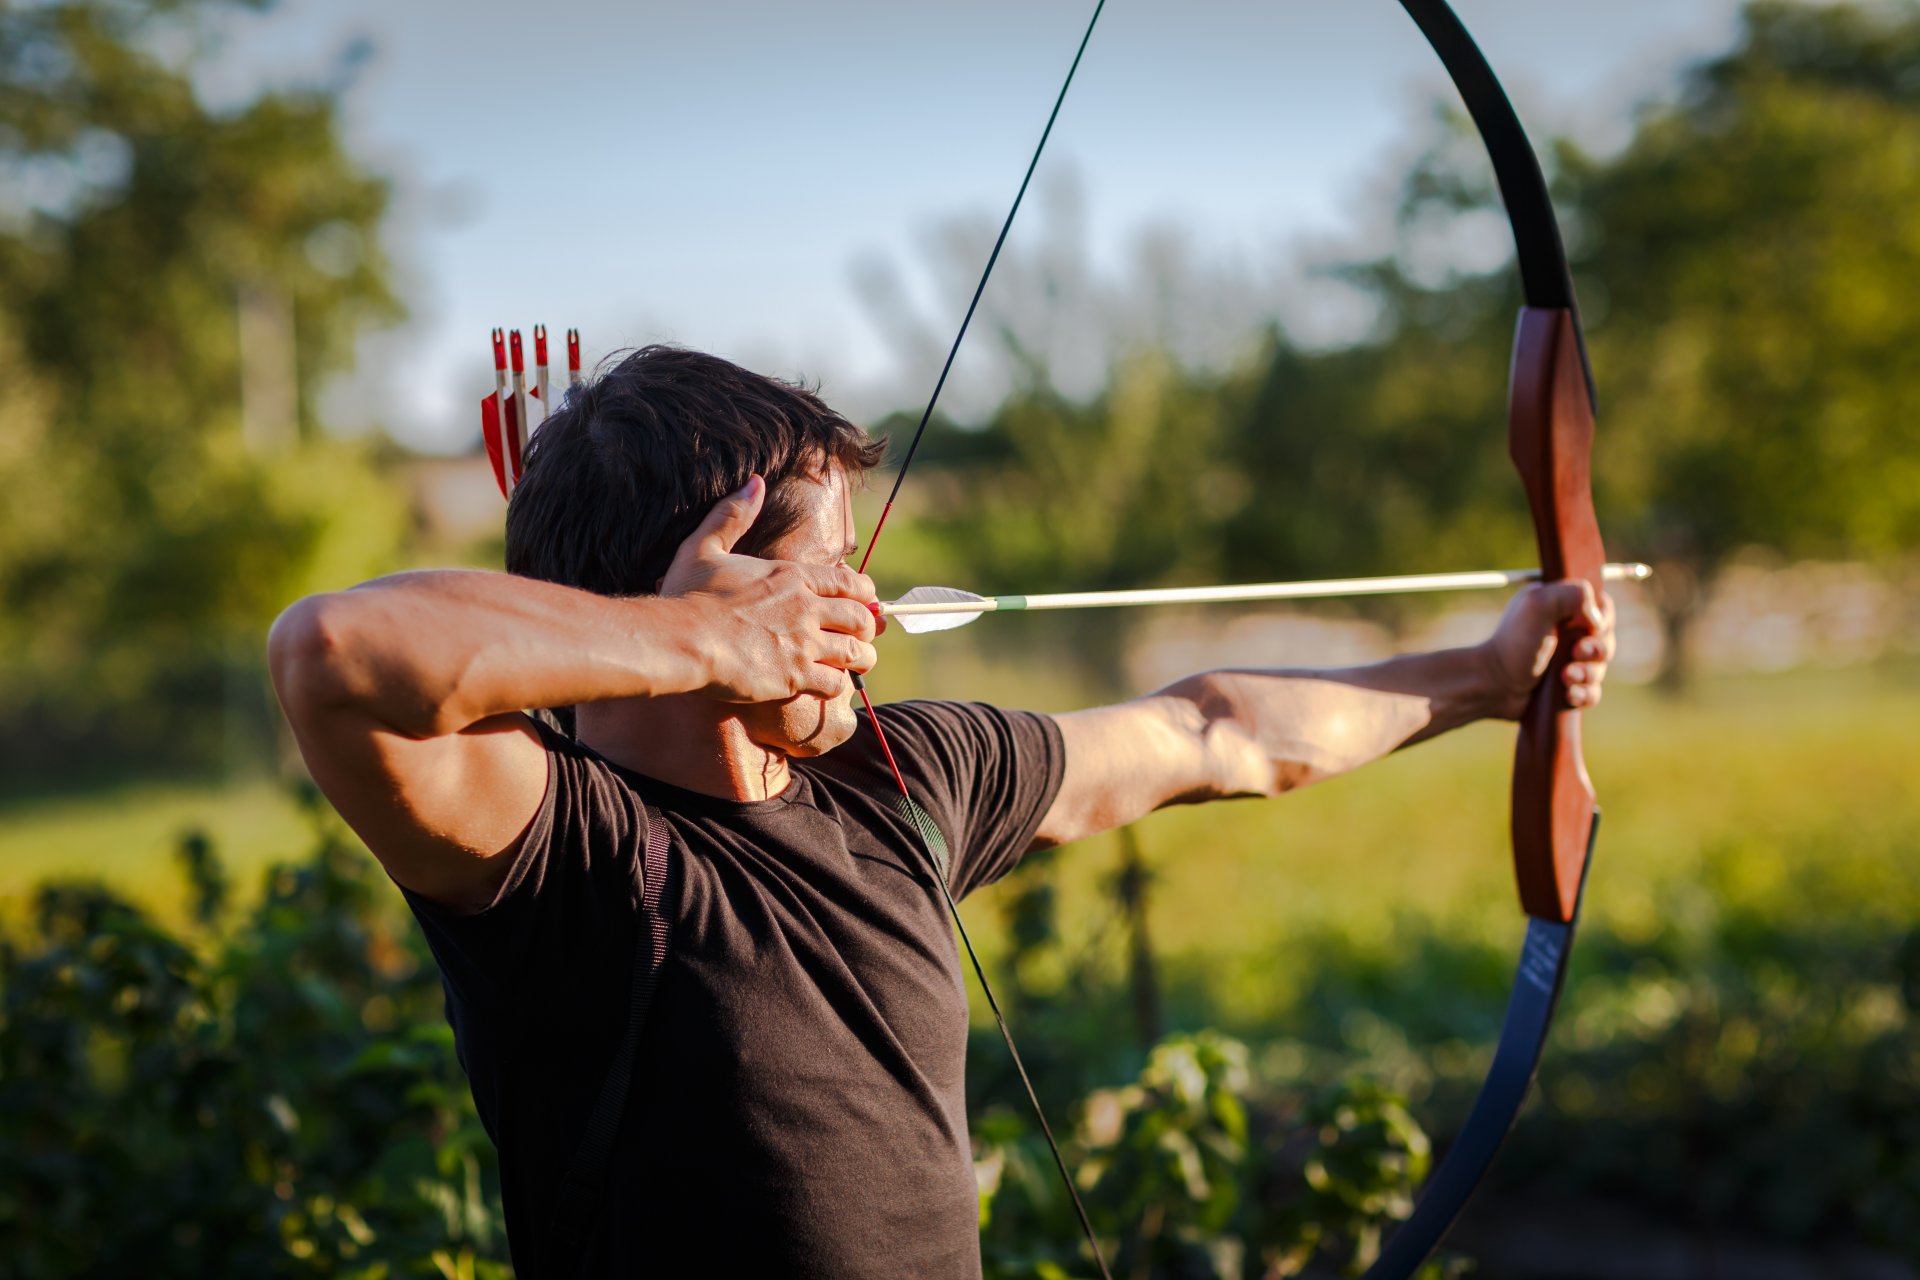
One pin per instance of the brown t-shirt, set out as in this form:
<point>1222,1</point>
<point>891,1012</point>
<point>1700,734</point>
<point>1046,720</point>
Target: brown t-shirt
<point>799,1105</point>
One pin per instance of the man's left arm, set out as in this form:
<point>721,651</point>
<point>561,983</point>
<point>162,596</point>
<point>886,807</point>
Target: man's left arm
<point>1232,733</point>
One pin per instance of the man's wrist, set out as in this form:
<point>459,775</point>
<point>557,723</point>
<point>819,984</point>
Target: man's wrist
<point>1494,696</point>
<point>677,636</point>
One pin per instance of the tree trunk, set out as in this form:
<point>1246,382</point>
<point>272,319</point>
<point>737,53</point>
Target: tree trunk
<point>1102,645</point>
<point>1143,974</point>
<point>1678,594</point>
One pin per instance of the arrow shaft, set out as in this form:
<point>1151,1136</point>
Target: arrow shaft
<point>1404,584</point>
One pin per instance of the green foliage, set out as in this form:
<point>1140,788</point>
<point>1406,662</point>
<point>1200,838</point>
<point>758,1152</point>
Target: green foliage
<point>1737,1050</point>
<point>280,1099</point>
<point>1196,1170</point>
<point>1748,1071</point>
<point>144,540</point>
<point>1371,1156</point>
<point>1745,264</point>
<point>1053,494</point>
<point>1766,1032</point>
<point>1378,459</point>
<point>1167,1152</point>
<point>1755,247</point>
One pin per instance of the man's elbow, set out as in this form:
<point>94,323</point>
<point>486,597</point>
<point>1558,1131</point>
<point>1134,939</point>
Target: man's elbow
<point>306,658</point>
<point>1251,748</point>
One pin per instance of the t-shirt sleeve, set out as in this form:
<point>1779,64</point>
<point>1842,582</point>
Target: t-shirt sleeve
<point>572,895</point>
<point>986,776</point>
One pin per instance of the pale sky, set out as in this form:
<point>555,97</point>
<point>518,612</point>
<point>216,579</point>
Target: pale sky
<point>715,173</point>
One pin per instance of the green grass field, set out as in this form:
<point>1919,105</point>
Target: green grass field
<point>1796,797</point>
<point>127,836</point>
<point>1797,792</point>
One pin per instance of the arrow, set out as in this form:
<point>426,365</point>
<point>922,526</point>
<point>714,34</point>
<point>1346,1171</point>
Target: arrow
<point>925,609</point>
<point>510,415</point>
<point>493,415</point>
<point>540,371</point>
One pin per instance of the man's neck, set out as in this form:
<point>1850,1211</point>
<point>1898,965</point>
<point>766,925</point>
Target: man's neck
<point>687,742</point>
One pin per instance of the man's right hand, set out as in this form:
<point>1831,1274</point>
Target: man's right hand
<point>405,693</point>
<point>774,629</point>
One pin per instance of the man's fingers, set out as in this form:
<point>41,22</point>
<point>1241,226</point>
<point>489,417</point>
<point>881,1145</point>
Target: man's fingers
<point>850,653</point>
<point>1586,674</point>
<point>849,618</point>
<point>1570,600</point>
<point>730,519</point>
<point>825,681</point>
<point>839,581</point>
<point>827,675</point>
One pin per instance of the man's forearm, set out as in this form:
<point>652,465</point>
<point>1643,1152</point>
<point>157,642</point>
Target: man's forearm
<point>433,652</point>
<point>1266,732</point>
<point>1261,733</point>
<point>1452,687</point>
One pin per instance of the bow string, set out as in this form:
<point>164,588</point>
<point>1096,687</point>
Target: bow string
<point>1550,435</point>
<point>931,843</point>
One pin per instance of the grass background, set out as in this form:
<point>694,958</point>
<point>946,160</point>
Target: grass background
<point>1796,796</point>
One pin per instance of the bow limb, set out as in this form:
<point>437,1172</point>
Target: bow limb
<point>1550,435</point>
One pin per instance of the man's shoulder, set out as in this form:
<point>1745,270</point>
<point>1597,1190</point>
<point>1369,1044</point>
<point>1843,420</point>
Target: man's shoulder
<point>951,729</point>
<point>943,741</point>
<point>938,712</point>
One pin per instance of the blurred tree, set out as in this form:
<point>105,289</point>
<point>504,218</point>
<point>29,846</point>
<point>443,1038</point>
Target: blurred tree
<point>277,1100</point>
<point>1748,265</point>
<point>1054,494</point>
<point>1757,257</point>
<point>175,283</point>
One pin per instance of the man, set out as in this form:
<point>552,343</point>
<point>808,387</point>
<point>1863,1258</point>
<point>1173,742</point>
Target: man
<point>677,551</point>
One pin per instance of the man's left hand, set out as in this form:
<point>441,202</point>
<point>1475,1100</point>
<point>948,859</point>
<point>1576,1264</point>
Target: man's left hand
<point>1524,642</point>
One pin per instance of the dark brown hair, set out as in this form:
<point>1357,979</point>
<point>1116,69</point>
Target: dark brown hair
<point>633,460</point>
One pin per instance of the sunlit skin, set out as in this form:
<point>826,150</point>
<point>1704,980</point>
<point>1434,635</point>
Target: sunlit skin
<point>405,694</point>
<point>740,751</point>
<point>1243,732</point>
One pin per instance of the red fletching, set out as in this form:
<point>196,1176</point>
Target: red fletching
<point>490,432</point>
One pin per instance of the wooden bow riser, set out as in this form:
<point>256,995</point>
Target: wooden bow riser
<point>1550,435</point>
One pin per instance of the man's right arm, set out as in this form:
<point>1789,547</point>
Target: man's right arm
<point>406,695</point>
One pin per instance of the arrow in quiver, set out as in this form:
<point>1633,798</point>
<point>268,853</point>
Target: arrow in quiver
<point>510,416</point>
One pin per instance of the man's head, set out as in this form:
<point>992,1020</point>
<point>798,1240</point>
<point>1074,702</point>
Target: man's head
<point>633,460</point>
<point>631,463</point>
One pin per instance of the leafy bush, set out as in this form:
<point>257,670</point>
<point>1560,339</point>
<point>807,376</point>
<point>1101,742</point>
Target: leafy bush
<point>1198,1170</point>
<point>274,1092</point>
<point>278,1099</point>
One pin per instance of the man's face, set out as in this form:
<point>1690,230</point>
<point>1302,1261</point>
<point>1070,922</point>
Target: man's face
<point>807,725</point>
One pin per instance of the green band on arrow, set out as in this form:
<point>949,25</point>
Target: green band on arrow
<point>1008,604</point>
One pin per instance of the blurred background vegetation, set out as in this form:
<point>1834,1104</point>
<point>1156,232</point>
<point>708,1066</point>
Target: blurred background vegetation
<point>1260,1023</point>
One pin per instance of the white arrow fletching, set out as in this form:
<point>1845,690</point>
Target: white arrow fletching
<point>915,624</point>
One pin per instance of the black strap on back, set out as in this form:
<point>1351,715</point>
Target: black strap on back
<point>584,1188</point>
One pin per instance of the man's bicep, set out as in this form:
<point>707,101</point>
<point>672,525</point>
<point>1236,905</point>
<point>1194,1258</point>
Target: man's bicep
<point>1125,761</point>
<point>445,814</point>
